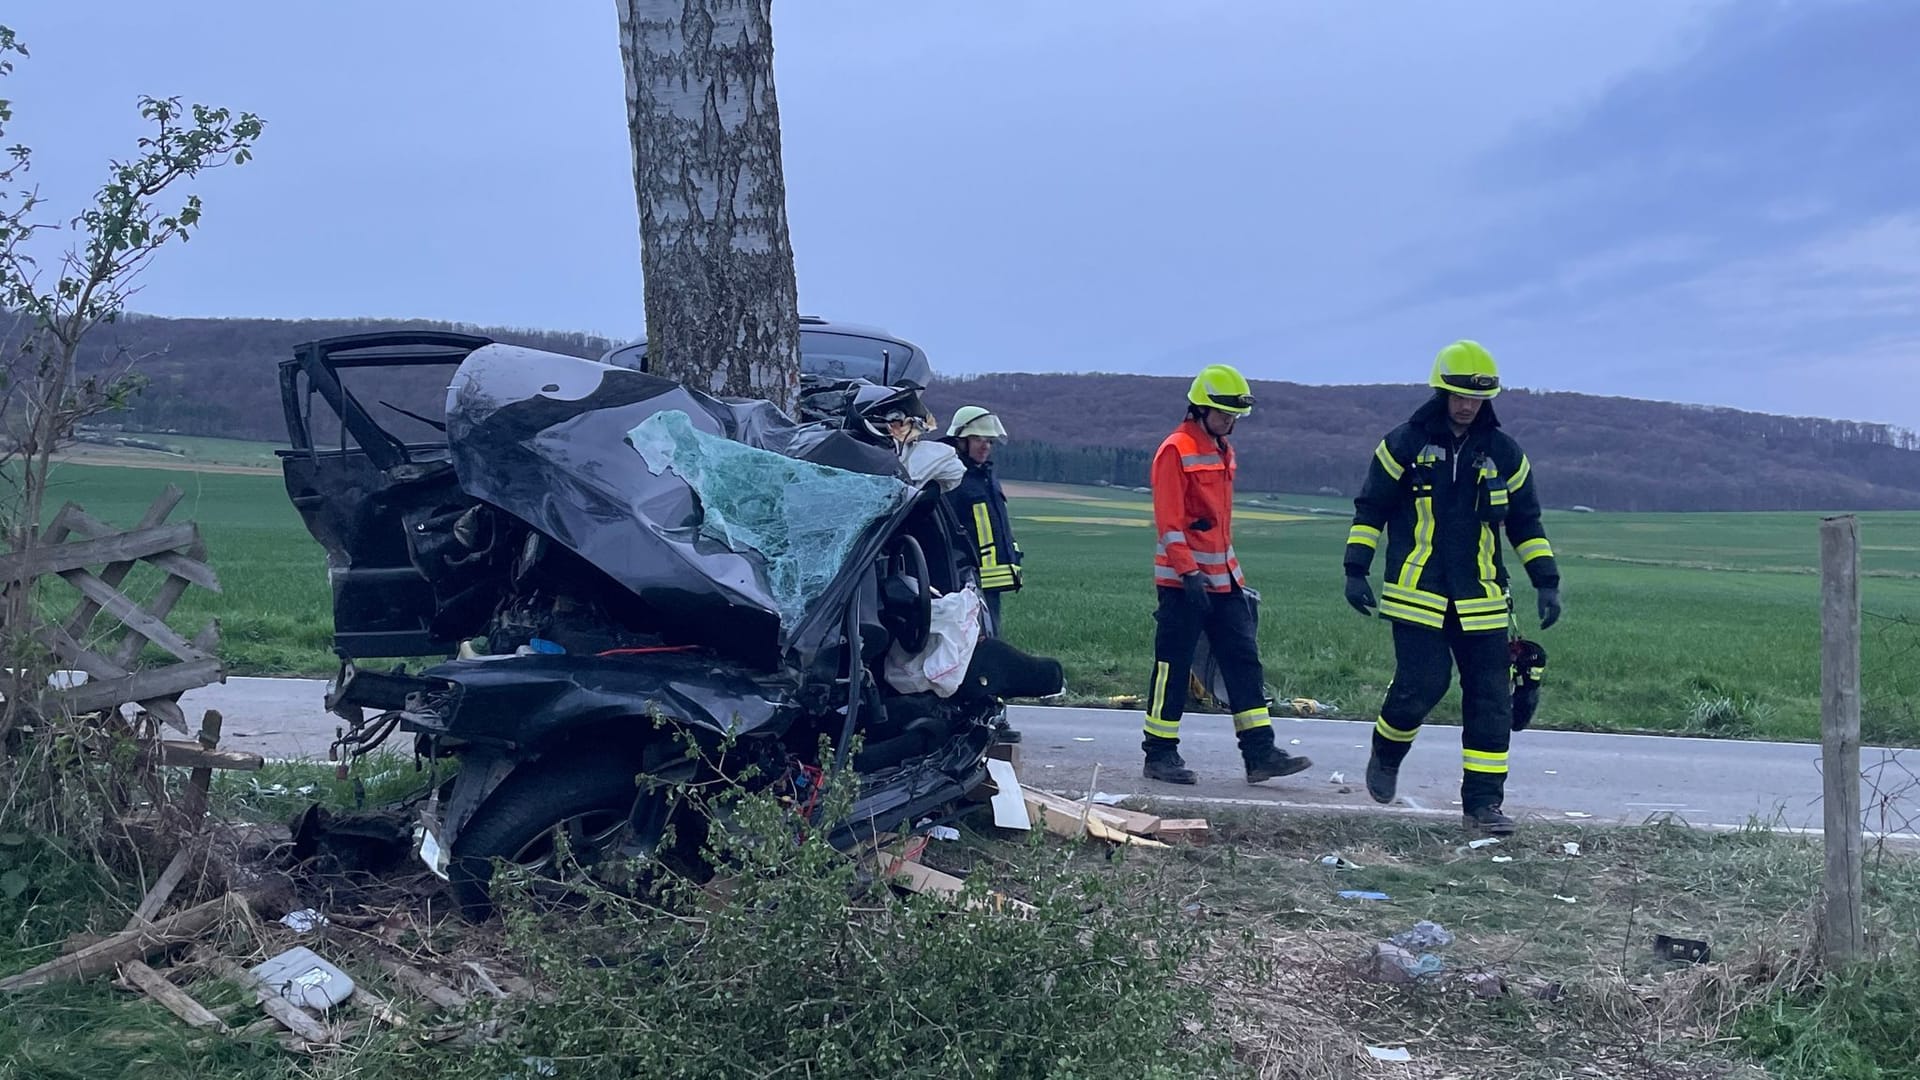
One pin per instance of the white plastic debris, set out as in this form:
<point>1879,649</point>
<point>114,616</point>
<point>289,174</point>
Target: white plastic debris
<point>1337,778</point>
<point>1571,848</point>
<point>1577,814</point>
<point>1083,738</point>
<point>303,921</point>
<point>1485,841</point>
<point>1009,802</point>
<point>944,832</point>
<point>300,976</point>
<point>1383,1053</point>
<point>1108,798</point>
<point>1565,899</point>
<point>1338,863</point>
<point>1553,772</point>
<point>1293,742</point>
<point>1503,858</point>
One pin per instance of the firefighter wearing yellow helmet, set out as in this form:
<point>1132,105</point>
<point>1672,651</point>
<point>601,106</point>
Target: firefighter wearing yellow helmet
<point>1202,591</point>
<point>1442,487</point>
<point>982,506</point>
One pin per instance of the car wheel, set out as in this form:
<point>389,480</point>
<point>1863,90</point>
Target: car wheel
<point>588,798</point>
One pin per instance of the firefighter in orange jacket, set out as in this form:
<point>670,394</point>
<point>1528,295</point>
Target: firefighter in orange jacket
<point>1201,589</point>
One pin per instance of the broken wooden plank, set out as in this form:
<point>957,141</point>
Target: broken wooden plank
<point>291,1016</point>
<point>925,880</point>
<point>71,517</point>
<point>1190,830</point>
<point>189,564</point>
<point>143,623</point>
<point>378,1007</point>
<point>422,983</point>
<point>136,944</point>
<point>1073,820</point>
<point>193,803</point>
<point>1075,809</point>
<point>172,998</point>
<point>157,897</point>
<point>75,555</point>
<point>1132,821</point>
<point>181,754</point>
<point>142,686</point>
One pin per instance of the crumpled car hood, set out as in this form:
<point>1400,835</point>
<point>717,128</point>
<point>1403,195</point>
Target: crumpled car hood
<point>546,438</point>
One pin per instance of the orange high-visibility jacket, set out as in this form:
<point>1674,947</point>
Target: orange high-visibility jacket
<point>1193,509</point>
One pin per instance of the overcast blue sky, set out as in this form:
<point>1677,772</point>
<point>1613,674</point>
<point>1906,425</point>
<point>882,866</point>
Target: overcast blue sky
<point>1714,201</point>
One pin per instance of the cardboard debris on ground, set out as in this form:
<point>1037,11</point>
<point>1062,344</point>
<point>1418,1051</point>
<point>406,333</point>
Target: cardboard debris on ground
<point>925,880</point>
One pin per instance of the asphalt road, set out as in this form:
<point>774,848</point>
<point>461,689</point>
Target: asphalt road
<point>1563,775</point>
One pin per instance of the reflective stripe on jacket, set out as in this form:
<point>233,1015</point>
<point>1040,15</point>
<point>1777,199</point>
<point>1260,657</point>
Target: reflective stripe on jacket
<point>983,507</point>
<point>1443,501</point>
<point>1193,509</point>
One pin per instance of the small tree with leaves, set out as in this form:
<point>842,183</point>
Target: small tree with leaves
<point>53,296</point>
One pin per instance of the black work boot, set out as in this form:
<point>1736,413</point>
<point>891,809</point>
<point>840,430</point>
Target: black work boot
<point>1383,780</point>
<point>1489,820</point>
<point>1164,763</point>
<point>1265,760</point>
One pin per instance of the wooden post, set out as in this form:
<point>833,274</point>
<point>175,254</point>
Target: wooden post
<point>1845,936</point>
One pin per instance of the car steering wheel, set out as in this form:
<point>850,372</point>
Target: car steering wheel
<point>908,559</point>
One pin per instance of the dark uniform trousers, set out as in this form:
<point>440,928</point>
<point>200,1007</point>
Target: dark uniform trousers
<point>1424,659</point>
<point>1231,630</point>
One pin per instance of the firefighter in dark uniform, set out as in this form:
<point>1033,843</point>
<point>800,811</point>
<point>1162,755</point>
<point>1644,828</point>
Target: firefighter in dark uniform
<point>1201,588</point>
<point>982,506</point>
<point>1443,485</point>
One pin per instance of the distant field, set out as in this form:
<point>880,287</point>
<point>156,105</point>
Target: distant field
<point>1667,614</point>
<point>188,451</point>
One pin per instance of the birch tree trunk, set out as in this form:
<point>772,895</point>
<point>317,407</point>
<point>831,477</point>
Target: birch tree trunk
<point>721,304</point>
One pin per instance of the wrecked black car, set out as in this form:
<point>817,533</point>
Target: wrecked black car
<point>617,576</point>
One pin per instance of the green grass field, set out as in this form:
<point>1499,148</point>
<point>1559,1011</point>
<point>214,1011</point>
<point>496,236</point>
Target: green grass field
<point>1698,623</point>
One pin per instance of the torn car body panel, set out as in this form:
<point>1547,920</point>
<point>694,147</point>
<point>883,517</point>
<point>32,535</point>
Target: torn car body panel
<point>623,563</point>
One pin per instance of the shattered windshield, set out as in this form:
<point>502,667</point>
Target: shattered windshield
<point>801,518</point>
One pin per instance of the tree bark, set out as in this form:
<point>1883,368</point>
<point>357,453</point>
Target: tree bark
<point>721,304</point>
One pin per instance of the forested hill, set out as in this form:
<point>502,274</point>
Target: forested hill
<point>216,377</point>
<point>1603,452</point>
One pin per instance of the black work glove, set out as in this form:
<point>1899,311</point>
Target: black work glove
<point>1196,587</point>
<point>1549,607</point>
<point>1360,595</point>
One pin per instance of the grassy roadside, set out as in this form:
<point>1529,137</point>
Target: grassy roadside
<point>1270,980</point>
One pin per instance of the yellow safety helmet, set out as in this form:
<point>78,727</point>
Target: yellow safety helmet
<point>1219,386</point>
<point>1468,369</point>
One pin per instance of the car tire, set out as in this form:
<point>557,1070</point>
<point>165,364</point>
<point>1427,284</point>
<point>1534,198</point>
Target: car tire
<point>527,807</point>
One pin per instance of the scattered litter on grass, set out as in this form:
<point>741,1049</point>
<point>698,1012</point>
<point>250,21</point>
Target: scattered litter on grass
<point>1424,936</point>
<point>1565,899</point>
<point>1503,858</point>
<point>1357,894</point>
<point>1485,841</point>
<point>1487,984</point>
<point>1676,948</point>
<point>1383,1053</point>
<point>1571,848</point>
<point>944,832</point>
<point>304,920</point>
<point>1338,863</point>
